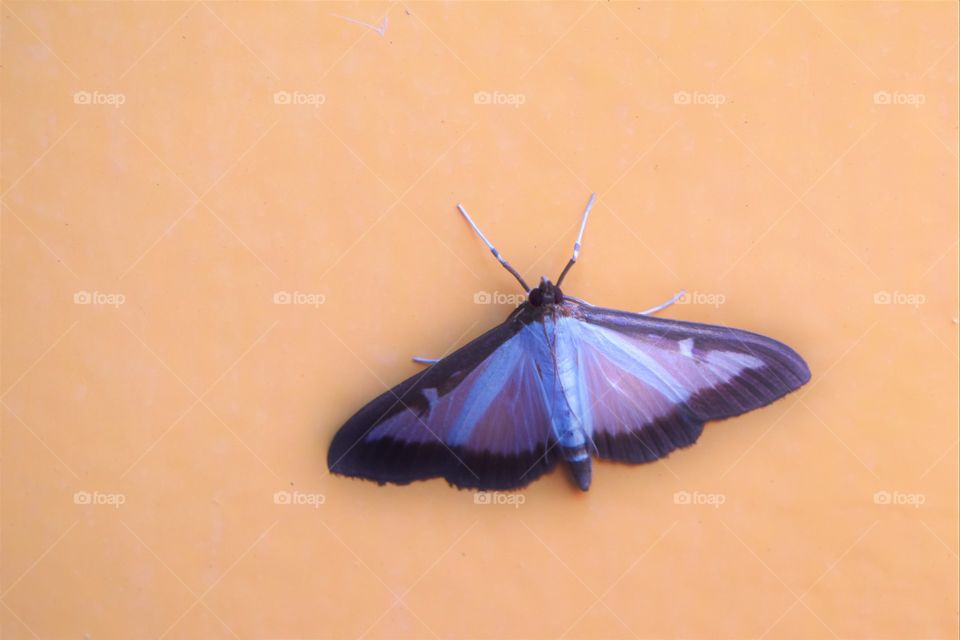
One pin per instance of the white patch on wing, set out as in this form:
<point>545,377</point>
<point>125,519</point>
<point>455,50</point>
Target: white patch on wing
<point>686,347</point>
<point>733,362</point>
<point>431,396</point>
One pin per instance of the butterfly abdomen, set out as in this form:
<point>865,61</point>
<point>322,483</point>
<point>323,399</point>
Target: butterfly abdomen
<point>567,409</point>
<point>579,460</point>
<point>582,473</point>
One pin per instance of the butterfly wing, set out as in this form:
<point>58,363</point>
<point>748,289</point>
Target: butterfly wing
<point>479,418</point>
<point>647,384</point>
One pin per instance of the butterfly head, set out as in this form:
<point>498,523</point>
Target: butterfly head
<point>546,293</point>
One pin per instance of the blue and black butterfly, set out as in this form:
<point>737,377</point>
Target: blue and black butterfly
<point>562,380</point>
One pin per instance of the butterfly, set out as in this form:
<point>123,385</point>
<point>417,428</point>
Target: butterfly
<point>561,380</point>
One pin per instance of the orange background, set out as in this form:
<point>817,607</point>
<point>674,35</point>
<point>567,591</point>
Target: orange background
<point>739,150</point>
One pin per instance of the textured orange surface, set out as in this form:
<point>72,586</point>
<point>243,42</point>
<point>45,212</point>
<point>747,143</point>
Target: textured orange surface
<point>172,169</point>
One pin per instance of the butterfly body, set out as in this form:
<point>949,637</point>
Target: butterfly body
<point>562,380</point>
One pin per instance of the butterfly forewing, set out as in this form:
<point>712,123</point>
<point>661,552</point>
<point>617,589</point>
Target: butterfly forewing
<point>479,418</point>
<point>651,383</point>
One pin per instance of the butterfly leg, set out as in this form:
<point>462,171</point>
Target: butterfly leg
<point>420,360</point>
<point>661,307</point>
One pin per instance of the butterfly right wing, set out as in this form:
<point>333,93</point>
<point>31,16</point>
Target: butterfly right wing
<point>480,418</point>
<point>648,384</point>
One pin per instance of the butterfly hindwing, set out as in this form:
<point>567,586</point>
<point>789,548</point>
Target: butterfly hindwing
<point>648,384</point>
<point>478,418</point>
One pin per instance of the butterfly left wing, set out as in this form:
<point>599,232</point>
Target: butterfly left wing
<point>647,384</point>
<point>478,418</point>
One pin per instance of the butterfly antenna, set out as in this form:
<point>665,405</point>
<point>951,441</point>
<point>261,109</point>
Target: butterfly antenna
<point>493,250</point>
<point>576,245</point>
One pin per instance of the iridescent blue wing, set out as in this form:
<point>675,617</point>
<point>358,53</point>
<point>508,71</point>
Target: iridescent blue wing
<point>479,418</point>
<point>646,385</point>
